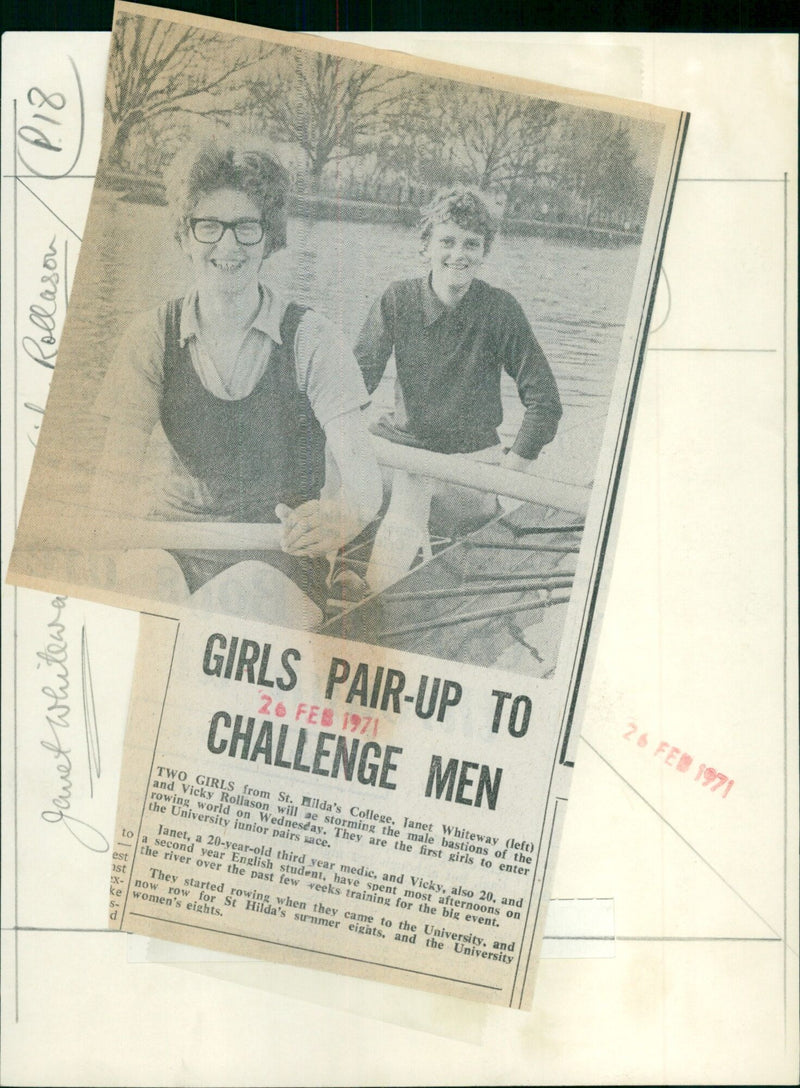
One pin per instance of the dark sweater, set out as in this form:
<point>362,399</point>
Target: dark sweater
<point>449,363</point>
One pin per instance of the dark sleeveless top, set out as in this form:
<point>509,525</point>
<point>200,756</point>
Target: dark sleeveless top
<point>252,453</point>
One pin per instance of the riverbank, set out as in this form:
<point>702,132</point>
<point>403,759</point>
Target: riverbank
<point>141,189</point>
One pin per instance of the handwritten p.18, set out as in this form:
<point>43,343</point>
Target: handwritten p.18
<point>50,135</point>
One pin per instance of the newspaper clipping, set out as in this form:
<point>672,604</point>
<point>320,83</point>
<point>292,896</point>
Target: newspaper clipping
<point>322,803</point>
<point>341,404</point>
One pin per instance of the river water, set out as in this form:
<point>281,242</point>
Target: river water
<point>574,296</point>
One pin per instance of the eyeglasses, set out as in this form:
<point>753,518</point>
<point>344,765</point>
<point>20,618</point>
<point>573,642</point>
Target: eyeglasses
<point>247,232</point>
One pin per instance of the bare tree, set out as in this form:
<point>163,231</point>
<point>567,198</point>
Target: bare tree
<point>419,147</point>
<point>498,138</point>
<point>597,165</point>
<point>157,68</point>
<point>331,107</point>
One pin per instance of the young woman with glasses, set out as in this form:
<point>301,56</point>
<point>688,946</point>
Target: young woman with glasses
<point>243,406</point>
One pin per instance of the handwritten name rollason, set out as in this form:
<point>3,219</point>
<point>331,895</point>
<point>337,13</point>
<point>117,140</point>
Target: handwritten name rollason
<point>49,141</point>
<point>42,346</point>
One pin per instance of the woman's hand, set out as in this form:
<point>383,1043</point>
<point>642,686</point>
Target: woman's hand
<point>514,462</point>
<point>351,498</point>
<point>317,527</point>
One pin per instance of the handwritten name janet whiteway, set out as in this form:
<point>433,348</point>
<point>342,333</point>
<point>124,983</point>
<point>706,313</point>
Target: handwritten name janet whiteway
<point>55,656</point>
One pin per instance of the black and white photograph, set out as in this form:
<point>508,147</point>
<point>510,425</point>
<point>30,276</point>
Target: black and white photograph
<point>398,643</point>
<point>346,342</point>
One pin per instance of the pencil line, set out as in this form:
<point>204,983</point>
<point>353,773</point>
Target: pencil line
<point>785,619</point>
<point>683,839</point>
<point>736,181</point>
<point>767,940</point>
<point>135,844</point>
<point>66,273</point>
<point>44,204</point>
<point>547,936</point>
<point>578,937</point>
<point>55,929</point>
<point>724,351</point>
<point>66,177</point>
<point>316,951</point>
<point>16,594</point>
<point>676,940</point>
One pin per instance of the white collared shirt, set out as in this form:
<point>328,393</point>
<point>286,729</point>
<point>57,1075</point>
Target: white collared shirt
<point>326,368</point>
<point>131,392</point>
<point>248,368</point>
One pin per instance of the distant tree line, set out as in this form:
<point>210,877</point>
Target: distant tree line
<point>357,131</point>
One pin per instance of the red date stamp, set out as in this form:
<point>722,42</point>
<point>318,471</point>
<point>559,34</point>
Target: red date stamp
<point>680,760</point>
<point>322,716</point>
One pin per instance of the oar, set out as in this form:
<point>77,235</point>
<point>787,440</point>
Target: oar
<point>457,469</point>
<point>76,530</point>
<point>473,589</point>
<point>472,617</point>
<point>91,533</point>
